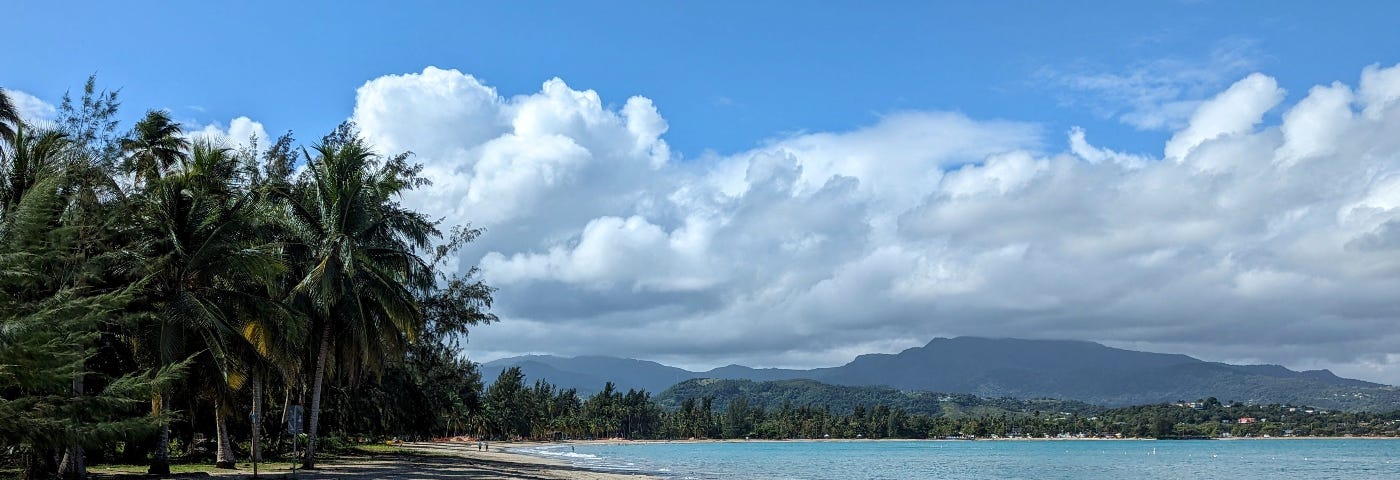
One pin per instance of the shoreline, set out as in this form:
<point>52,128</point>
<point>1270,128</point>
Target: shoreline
<point>616,441</point>
<point>510,460</point>
<point>513,449</point>
<point>500,462</point>
<point>423,460</point>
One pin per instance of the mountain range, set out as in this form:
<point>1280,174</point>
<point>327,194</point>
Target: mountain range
<point>1026,369</point>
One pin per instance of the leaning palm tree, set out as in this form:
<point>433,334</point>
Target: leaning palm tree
<point>155,144</point>
<point>9,118</point>
<point>198,249</point>
<point>361,269</point>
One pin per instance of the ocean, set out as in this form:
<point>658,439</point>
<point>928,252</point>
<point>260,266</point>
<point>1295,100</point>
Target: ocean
<point>1058,459</point>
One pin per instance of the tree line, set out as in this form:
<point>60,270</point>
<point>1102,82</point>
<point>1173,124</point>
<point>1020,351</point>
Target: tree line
<point>158,289</point>
<point>511,409</point>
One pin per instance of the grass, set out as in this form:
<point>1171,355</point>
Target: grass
<point>374,449</point>
<point>379,449</point>
<point>174,468</point>
<point>269,469</point>
<point>276,467</point>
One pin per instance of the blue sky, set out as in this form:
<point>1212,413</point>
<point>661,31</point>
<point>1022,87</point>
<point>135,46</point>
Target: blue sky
<point>792,184</point>
<point>727,75</point>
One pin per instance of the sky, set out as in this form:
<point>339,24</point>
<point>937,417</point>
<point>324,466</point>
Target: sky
<point>783,185</point>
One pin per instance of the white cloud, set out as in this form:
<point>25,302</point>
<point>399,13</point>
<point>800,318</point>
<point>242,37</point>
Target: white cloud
<point>1310,127</point>
<point>1152,95</point>
<point>236,134</point>
<point>1079,145</point>
<point>30,107</point>
<point>1277,242</point>
<point>1234,112</point>
<point>1380,88</point>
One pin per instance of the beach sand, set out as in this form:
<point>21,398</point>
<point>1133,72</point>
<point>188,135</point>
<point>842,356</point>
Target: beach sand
<point>425,461</point>
<point>459,460</point>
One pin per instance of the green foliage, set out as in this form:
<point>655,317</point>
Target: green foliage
<point>52,315</point>
<point>9,118</point>
<point>432,392</point>
<point>845,399</point>
<point>134,315</point>
<point>91,122</point>
<point>710,408</point>
<point>154,146</point>
<point>43,347</point>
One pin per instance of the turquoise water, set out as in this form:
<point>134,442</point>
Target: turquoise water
<point>1062,459</point>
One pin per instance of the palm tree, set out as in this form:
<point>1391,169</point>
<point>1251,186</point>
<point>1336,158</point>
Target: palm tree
<point>32,157</point>
<point>268,349</point>
<point>154,146</point>
<point>362,270</point>
<point>9,118</point>
<point>199,250</point>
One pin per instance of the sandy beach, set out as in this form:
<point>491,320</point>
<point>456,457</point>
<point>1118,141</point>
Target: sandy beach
<point>459,460</point>
<point>421,461</point>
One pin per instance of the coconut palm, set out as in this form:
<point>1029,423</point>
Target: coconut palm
<point>271,343</point>
<point>198,247</point>
<point>359,254</point>
<point>33,156</point>
<point>155,144</point>
<point>269,348</point>
<point>9,118</point>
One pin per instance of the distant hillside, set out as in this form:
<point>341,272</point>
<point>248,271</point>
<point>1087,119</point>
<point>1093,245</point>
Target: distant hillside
<point>588,374</point>
<point>844,399</point>
<point>1101,375</point>
<point>993,368</point>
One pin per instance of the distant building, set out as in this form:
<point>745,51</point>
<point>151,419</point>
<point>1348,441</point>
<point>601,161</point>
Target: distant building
<point>1247,420</point>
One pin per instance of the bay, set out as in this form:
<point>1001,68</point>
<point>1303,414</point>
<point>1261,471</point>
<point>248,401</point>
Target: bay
<point>1051,459</point>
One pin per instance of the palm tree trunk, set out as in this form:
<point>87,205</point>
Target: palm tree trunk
<point>74,464</point>
<point>287,400</point>
<point>316,382</point>
<point>291,384</point>
<point>224,457</point>
<point>256,445</point>
<point>160,459</point>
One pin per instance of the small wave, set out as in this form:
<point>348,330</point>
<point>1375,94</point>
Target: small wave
<point>585,460</point>
<point>549,453</point>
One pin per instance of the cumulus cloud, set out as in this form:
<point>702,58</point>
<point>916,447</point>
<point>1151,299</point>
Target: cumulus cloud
<point>30,107</point>
<point>239,132</point>
<point>1080,146</point>
<point>1235,111</point>
<point>1245,241</point>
